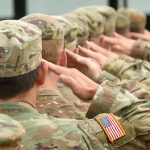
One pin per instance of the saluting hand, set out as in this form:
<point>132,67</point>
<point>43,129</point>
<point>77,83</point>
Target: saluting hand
<point>81,85</point>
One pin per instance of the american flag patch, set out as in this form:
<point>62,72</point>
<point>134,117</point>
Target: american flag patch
<point>111,126</point>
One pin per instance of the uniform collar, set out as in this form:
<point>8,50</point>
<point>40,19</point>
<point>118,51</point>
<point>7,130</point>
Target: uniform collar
<point>13,108</point>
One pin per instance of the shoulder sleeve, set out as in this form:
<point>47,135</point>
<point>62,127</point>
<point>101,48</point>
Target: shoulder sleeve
<point>110,97</point>
<point>141,50</point>
<point>106,76</point>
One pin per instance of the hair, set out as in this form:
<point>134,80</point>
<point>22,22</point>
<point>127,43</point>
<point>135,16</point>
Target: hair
<point>51,50</point>
<point>13,86</point>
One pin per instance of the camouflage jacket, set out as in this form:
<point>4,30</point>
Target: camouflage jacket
<point>138,89</point>
<point>141,50</point>
<point>45,132</point>
<point>53,103</point>
<point>67,93</point>
<point>133,70</point>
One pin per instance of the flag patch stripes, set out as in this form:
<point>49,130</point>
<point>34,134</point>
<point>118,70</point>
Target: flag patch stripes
<point>111,127</point>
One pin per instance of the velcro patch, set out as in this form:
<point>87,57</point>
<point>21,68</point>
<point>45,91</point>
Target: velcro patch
<point>111,127</point>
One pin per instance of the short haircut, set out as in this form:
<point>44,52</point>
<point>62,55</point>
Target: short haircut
<point>13,86</point>
<point>51,50</point>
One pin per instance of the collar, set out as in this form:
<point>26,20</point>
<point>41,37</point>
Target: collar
<point>13,108</point>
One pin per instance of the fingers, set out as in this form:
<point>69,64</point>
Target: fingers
<point>118,48</point>
<point>110,40</point>
<point>69,81</point>
<point>136,35</point>
<point>84,61</point>
<point>97,48</point>
<point>87,52</point>
<point>56,69</point>
<point>72,55</point>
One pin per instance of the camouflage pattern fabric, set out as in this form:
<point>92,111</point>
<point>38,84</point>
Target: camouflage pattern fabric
<point>11,133</point>
<point>137,19</point>
<point>70,32</point>
<point>43,132</point>
<point>110,17</point>
<point>94,20</point>
<point>18,56</point>
<point>141,50</point>
<point>52,103</point>
<point>83,29</point>
<point>78,103</point>
<point>122,24</point>
<point>50,27</point>
<point>137,70</point>
<point>140,90</point>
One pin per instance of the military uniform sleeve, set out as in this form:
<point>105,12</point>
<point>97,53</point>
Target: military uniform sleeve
<point>124,70</point>
<point>134,114</point>
<point>110,97</point>
<point>139,89</point>
<point>141,50</point>
<point>106,76</point>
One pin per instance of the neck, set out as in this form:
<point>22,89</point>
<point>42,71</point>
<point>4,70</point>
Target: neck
<point>50,81</point>
<point>28,97</point>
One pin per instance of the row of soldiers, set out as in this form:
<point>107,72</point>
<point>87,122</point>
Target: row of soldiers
<point>77,81</point>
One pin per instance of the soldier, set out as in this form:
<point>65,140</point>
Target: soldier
<point>94,21</point>
<point>21,63</point>
<point>83,29</point>
<point>137,19</point>
<point>11,133</point>
<point>49,99</point>
<point>92,70</point>
<point>122,25</point>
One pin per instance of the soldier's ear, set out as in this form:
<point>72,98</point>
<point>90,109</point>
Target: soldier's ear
<point>42,73</point>
<point>63,58</point>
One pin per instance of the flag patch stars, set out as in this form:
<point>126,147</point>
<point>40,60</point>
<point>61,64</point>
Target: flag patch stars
<point>111,127</point>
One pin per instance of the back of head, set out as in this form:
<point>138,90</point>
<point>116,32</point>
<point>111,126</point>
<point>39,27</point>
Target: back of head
<point>20,54</point>
<point>82,28</point>
<point>137,19</point>
<point>122,24</point>
<point>52,34</point>
<point>70,32</point>
<point>109,14</point>
<point>11,133</point>
<point>20,48</point>
<point>94,20</point>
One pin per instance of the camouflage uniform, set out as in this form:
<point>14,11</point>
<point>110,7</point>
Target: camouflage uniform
<point>46,132</point>
<point>108,13</point>
<point>54,104</point>
<point>70,30</point>
<point>137,19</point>
<point>49,101</point>
<point>83,29</point>
<point>131,70</point>
<point>122,24</point>
<point>11,133</point>
<point>138,89</point>
<point>141,50</point>
<point>94,20</point>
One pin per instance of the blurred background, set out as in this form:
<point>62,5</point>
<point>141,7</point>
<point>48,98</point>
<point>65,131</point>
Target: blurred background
<point>15,9</point>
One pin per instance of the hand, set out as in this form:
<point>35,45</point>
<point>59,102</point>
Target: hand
<point>85,65</point>
<point>80,84</point>
<point>142,36</point>
<point>120,43</point>
<point>99,58</point>
<point>101,50</point>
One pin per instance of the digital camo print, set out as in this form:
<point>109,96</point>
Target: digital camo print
<point>20,48</point>
<point>70,32</point>
<point>11,133</point>
<point>50,27</point>
<point>137,19</point>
